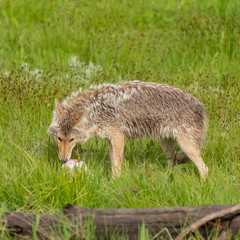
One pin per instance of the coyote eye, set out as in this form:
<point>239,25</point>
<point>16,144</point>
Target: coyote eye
<point>71,139</point>
<point>59,139</point>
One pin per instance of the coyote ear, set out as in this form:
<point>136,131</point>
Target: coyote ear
<point>78,116</point>
<point>58,107</point>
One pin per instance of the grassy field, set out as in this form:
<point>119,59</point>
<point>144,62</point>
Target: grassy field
<point>50,48</point>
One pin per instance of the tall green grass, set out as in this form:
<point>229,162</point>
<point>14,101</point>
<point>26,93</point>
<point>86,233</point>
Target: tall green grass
<point>51,48</point>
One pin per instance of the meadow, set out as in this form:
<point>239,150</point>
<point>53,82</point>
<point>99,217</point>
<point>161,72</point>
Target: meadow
<point>49,49</point>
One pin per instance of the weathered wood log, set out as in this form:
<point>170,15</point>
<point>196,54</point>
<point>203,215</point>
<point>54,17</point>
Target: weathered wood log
<point>22,224</point>
<point>121,221</point>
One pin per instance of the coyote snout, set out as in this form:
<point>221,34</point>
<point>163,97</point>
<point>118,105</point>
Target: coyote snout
<point>65,145</point>
<point>132,110</point>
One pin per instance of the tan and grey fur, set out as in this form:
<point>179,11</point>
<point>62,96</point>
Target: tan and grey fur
<point>132,110</point>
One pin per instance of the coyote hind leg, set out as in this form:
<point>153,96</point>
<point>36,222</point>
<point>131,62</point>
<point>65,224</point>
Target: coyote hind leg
<point>192,149</point>
<point>168,147</point>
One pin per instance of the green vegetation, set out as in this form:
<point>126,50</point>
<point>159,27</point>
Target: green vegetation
<point>50,48</point>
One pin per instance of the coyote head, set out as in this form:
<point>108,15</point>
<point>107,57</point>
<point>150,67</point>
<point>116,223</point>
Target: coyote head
<point>68,127</point>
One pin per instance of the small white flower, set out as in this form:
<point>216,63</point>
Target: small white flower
<point>223,134</point>
<point>74,62</point>
<point>37,73</point>
<point>67,76</point>
<point>195,87</point>
<point>91,65</point>
<point>88,72</point>
<point>6,73</point>
<point>25,66</point>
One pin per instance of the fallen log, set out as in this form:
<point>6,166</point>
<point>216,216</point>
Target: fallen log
<point>128,222</point>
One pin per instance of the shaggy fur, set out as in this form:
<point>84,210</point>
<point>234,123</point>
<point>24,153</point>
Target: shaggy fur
<point>133,110</point>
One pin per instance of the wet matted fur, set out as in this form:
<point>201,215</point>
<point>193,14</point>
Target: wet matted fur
<point>132,110</point>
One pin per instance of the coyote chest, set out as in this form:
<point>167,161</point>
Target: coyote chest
<point>132,110</point>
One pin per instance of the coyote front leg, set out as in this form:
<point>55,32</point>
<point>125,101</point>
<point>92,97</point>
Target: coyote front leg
<point>116,147</point>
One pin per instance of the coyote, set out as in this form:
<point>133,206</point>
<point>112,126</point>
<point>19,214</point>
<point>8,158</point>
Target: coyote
<point>132,110</point>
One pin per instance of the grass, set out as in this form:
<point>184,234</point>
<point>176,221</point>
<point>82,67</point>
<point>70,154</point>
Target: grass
<point>51,48</point>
